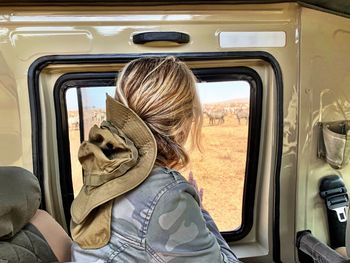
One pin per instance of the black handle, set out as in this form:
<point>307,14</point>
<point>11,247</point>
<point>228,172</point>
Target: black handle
<point>146,37</point>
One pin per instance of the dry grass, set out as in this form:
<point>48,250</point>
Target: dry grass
<point>219,170</point>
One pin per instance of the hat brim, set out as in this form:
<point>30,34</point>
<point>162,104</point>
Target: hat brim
<point>137,131</point>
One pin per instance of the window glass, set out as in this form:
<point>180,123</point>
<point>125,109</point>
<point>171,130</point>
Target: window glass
<point>93,105</point>
<point>74,138</point>
<point>219,168</point>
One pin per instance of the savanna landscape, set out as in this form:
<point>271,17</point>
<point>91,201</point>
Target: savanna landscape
<point>219,169</point>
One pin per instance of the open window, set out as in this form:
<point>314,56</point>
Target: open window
<point>227,166</point>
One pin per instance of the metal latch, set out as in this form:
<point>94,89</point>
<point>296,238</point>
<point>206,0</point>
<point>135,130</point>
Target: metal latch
<point>333,191</point>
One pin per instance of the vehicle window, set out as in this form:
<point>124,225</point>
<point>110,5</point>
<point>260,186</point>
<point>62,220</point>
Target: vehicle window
<point>221,167</point>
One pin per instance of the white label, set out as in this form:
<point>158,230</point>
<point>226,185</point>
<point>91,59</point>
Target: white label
<point>252,39</point>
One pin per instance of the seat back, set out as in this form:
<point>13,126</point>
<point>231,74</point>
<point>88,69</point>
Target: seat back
<point>20,197</point>
<point>28,245</point>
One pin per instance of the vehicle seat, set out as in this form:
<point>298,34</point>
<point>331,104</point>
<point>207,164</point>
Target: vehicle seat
<point>27,234</point>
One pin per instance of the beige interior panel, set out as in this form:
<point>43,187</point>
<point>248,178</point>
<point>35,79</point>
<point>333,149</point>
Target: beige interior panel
<point>314,64</point>
<point>324,80</point>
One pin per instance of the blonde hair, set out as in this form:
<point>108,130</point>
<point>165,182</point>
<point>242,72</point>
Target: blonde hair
<point>162,91</point>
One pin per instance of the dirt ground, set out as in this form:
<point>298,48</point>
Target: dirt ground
<point>219,169</point>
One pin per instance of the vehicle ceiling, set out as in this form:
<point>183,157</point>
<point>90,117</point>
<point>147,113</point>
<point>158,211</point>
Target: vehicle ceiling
<point>339,7</point>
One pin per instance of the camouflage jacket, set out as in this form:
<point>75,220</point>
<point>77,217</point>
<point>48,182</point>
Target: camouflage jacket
<point>160,221</point>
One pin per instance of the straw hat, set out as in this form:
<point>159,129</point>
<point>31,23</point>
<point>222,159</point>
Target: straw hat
<point>118,156</point>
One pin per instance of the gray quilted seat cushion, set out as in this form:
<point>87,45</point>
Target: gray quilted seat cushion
<point>27,246</point>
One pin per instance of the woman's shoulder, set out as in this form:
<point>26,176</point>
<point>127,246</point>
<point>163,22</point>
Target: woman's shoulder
<point>176,220</point>
<point>175,190</point>
<point>159,180</point>
<point>147,194</point>
<point>170,179</point>
<point>166,173</point>
<point>162,183</point>
<point>137,206</point>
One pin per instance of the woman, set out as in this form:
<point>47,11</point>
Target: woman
<point>134,205</point>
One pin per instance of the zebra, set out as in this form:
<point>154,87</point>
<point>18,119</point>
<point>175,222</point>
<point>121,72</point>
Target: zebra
<point>242,114</point>
<point>214,116</point>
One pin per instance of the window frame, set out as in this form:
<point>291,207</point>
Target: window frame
<point>80,80</point>
<point>36,119</point>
